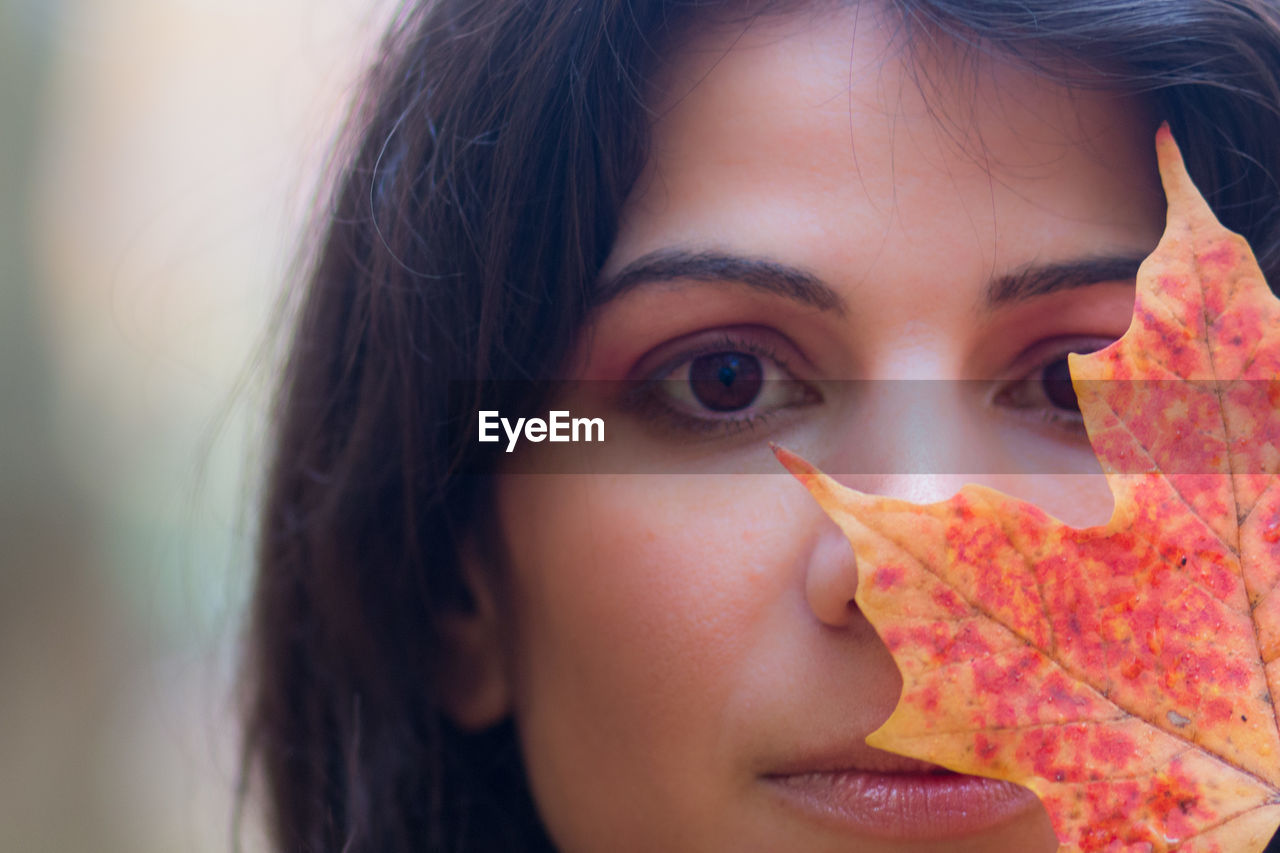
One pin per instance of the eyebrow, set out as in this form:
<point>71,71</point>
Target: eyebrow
<point>1035,280</point>
<point>802,286</point>
<point>761,274</point>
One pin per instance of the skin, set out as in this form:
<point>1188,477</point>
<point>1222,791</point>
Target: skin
<point>665,642</point>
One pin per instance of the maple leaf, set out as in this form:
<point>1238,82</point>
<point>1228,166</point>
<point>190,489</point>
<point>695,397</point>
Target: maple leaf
<point>1126,673</point>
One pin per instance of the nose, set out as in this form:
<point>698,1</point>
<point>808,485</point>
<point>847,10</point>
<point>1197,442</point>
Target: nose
<point>832,578</point>
<point>916,459</point>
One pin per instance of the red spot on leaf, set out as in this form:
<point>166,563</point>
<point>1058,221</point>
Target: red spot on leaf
<point>950,602</point>
<point>888,577</point>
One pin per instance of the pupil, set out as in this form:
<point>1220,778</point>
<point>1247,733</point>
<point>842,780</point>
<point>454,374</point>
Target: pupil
<point>726,381</point>
<point>1057,386</point>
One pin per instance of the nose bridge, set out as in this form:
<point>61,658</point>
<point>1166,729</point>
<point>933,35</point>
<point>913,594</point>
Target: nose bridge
<point>914,439</point>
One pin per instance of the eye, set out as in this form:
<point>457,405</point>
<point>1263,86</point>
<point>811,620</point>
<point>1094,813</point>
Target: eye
<point>1046,391</point>
<point>723,384</point>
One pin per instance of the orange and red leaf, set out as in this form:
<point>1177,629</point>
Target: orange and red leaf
<point>1127,673</point>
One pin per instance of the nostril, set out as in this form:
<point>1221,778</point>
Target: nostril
<point>831,579</point>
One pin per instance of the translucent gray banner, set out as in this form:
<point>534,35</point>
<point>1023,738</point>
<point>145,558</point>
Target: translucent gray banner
<point>876,427</point>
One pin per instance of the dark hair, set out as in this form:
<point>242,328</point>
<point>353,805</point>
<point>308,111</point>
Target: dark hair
<point>495,145</point>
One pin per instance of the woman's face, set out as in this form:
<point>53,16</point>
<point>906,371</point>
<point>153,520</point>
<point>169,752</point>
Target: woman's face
<point>683,658</point>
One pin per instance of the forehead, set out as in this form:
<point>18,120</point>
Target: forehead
<point>830,66</point>
<point>849,107</point>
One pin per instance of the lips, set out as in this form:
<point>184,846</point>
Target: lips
<point>860,758</point>
<point>885,796</point>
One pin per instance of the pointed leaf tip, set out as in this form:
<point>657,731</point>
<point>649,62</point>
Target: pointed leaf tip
<point>793,462</point>
<point>1167,152</point>
<point>824,489</point>
<point>1179,189</point>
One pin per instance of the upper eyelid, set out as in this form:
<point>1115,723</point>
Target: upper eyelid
<point>722,339</point>
<point>1047,352</point>
<point>684,358</point>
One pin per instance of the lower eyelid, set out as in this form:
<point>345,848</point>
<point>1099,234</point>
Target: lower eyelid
<point>1042,415</point>
<point>651,403</point>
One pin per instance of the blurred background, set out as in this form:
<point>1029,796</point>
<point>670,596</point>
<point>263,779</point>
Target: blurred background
<point>158,162</point>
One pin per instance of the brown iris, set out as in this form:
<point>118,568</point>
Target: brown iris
<point>726,381</point>
<point>1057,386</point>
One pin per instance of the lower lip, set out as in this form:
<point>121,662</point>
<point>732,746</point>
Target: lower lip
<point>904,806</point>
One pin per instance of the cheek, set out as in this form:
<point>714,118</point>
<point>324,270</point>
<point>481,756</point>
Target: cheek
<point>633,577</point>
<point>637,603</point>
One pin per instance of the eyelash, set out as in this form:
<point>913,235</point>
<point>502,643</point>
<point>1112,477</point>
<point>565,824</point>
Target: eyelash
<point>653,404</point>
